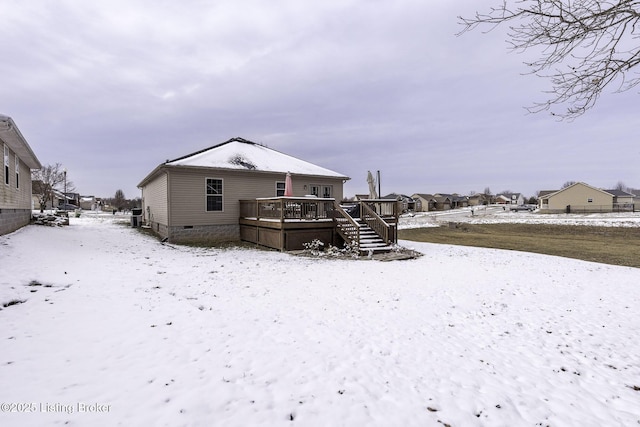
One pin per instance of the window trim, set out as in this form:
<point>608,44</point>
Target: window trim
<point>282,190</point>
<point>17,162</point>
<point>207,195</point>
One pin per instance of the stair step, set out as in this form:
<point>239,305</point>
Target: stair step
<point>371,239</point>
<point>379,249</point>
<point>372,245</point>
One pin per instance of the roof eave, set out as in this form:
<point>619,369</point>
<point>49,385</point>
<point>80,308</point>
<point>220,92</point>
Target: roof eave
<point>157,170</point>
<point>11,135</point>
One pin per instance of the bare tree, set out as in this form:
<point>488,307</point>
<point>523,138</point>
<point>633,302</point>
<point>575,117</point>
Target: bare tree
<point>488,198</point>
<point>119,201</point>
<point>46,180</point>
<point>586,45</point>
<point>621,186</point>
<point>567,184</point>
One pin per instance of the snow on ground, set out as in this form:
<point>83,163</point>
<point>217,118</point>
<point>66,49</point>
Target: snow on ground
<point>119,329</point>
<point>495,214</point>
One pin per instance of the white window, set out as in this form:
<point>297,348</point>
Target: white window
<point>17,172</point>
<point>327,191</point>
<point>6,164</point>
<point>214,200</point>
<point>315,190</point>
<point>280,188</point>
<point>589,200</point>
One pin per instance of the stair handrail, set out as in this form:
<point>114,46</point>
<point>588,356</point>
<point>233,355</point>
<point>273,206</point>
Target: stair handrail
<point>346,226</point>
<point>373,220</point>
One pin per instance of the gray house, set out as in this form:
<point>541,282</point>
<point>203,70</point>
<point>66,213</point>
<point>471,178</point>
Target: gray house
<point>15,189</point>
<point>197,197</point>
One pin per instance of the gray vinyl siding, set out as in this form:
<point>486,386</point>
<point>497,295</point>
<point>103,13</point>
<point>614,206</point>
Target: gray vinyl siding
<point>188,196</point>
<point>154,200</point>
<point>12,197</point>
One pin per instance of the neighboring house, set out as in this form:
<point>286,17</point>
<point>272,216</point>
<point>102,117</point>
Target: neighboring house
<point>73,198</point>
<point>424,202</point>
<point>510,199</point>
<point>88,203</point>
<point>15,189</point>
<point>442,202</point>
<point>197,197</point>
<point>450,201</point>
<point>578,197</point>
<point>38,194</point>
<point>460,201</point>
<point>622,198</point>
<point>407,202</point>
<point>479,200</point>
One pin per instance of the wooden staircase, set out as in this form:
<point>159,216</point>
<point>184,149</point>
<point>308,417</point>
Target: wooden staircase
<point>370,233</point>
<point>370,241</point>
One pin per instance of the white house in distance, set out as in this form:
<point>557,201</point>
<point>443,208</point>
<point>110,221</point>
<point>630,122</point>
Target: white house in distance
<point>197,197</point>
<point>510,199</point>
<point>15,188</point>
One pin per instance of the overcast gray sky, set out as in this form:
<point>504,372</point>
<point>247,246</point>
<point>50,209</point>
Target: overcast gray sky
<point>110,89</point>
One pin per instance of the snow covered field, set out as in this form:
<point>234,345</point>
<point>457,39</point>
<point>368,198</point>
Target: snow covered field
<point>118,329</point>
<point>496,214</point>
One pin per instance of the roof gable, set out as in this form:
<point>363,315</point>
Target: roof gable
<point>582,184</point>
<point>423,196</point>
<point>241,154</point>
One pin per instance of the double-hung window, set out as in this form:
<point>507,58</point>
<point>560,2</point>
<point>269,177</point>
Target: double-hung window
<point>6,164</point>
<point>280,188</point>
<point>214,195</point>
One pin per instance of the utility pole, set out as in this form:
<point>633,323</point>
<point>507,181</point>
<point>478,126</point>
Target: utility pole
<point>64,207</point>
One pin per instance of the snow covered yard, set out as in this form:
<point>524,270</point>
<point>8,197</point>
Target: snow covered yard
<point>115,328</point>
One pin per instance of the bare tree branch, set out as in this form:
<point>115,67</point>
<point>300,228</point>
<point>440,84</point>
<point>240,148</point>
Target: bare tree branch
<point>586,46</point>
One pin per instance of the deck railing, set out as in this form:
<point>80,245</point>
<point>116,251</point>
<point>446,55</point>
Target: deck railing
<point>346,226</point>
<point>380,214</point>
<point>383,207</point>
<point>377,224</point>
<point>287,208</point>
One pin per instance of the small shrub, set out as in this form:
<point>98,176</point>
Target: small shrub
<point>315,247</point>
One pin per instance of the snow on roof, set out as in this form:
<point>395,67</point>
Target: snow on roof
<point>238,153</point>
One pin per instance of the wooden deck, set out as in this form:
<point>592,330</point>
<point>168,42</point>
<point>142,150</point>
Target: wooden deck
<point>287,223</point>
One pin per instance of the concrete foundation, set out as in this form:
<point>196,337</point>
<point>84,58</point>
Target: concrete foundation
<point>13,219</point>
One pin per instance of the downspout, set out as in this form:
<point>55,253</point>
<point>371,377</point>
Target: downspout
<point>168,204</point>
